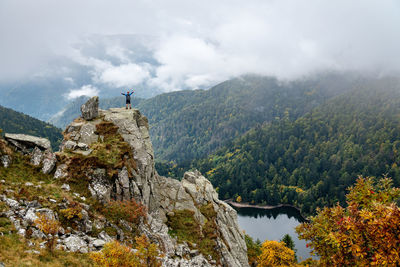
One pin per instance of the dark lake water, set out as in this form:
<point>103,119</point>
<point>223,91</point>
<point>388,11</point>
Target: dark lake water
<point>273,224</point>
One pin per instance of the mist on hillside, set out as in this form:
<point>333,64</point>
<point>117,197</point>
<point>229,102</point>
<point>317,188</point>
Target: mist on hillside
<point>54,53</point>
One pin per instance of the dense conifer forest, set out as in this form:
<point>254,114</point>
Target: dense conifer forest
<point>310,162</point>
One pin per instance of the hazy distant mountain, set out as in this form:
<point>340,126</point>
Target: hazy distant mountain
<point>45,94</point>
<point>190,124</point>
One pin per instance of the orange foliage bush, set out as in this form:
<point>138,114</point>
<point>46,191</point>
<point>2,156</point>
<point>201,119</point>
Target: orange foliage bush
<point>114,254</point>
<point>274,253</point>
<point>49,227</point>
<point>363,234</point>
<point>73,212</point>
<point>129,210</point>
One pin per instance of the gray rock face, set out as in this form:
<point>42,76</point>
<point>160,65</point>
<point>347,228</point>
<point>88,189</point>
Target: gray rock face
<point>133,127</point>
<point>138,179</point>
<point>100,188</point>
<point>70,145</point>
<point>5,160</point>
<point>90,109</point>
<point>29,140</point>
<point>61,171</point>
<point>87,135</point>
<point>122,185</point>
<point>74,243</point>
<point>49,162</point>
<point>36,156</point>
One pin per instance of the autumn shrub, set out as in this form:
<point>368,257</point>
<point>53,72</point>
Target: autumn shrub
<point>365,233</point>
<point>147,253</point>
<point>48,226</point>
<point>128,210</point>
<point>274,253</point>
<point>115,254</point>
<point>253,249</point>
<point>73,212</point>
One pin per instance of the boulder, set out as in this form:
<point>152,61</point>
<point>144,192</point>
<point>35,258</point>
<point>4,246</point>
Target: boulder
<point>61,171</point>
<point>90,109</point>
<point>99,243</point>
<point>13,204</point>
<point>69,145</point>
<point>28,141</point>
<point>30,216</point>
<point>49,162</point>
<point>36,156</point>
<point>74,244</point>
<point>66,187</point>
<point>5,160</point>
<point>104,236</point>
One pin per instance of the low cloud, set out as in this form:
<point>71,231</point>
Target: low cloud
<point>86,90</point>
<point>196,44</point>
<point>124,75</point>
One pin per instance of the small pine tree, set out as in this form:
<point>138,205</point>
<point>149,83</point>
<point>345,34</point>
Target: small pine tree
<point>288,240</point>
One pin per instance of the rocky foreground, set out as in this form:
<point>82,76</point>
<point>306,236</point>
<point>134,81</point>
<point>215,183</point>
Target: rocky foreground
<point>107,155</point>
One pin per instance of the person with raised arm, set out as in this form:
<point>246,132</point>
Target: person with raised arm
<point>128,99</point>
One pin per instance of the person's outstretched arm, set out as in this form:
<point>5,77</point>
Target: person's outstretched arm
<point>131,93</point>
<point>123,94</point>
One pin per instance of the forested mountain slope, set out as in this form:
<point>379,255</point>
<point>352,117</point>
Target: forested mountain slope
<point>188,125</point>
<point>16,122</point>
<point>310,161</point>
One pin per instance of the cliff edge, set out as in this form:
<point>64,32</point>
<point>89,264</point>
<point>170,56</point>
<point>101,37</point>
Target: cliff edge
<point>109,156</point>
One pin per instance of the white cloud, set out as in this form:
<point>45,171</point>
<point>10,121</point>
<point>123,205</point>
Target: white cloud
<point>200,43</point>
<point>124,75</point>
<point>86,90</point>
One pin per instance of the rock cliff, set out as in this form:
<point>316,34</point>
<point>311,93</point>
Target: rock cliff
<point>107,155</point>
<point>166,199</point>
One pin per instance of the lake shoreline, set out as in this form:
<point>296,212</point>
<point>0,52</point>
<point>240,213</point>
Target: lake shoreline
<point>264,207</point>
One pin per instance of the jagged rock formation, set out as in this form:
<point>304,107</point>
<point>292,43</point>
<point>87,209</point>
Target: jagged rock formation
<point>90,108</point>
<point>38,148</point>
<point>109,156</point>
<point>137,178</point>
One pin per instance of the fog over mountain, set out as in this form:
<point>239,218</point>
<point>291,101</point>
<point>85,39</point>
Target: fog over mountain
<point>62,50</point>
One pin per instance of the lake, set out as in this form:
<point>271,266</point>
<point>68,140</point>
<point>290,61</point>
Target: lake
<point>273,224</point>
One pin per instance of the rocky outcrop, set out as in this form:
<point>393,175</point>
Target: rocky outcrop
<point>23,215</point>
<point>90,109</point>
<point>124,136</point>
<point>5,160</point>
<point>49,162</point>
<point>24,141</point>
<point>38,148</point>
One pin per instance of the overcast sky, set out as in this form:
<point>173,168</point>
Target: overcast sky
<point>197,44</point>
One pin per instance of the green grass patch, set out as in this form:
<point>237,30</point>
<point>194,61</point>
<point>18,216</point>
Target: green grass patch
<point>5,225</point>
<point>185,228</point>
